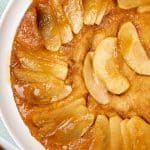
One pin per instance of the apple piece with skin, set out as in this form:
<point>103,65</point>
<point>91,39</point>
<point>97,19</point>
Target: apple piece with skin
<point>94,86</point>
<point>128,4</point>
<point>107,69</point>
<point>74,13</point>
<point>132,50</point>
<point>115,133</point>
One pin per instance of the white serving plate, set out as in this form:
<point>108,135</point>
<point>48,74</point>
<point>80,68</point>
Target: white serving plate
<point>9,112</point>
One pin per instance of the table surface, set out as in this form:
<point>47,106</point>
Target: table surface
<point>3,131</point>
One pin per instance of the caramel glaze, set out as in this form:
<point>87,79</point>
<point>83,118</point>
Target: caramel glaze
<point>136,101</point>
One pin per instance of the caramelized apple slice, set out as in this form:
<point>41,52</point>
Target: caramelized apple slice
<point>54,129</point>
<point>46,93</point>
<point>101,12</point>
<point>74,12</point>
<point>144,8</point>
<point>94,86</point>
<point>125,135</point>
<point>74,129</point>
<point>91,9</point>
<point>64,27</point>
<point>34,76</point>
<point>128,4</point>
<point>132,49</point>
<point>44,88</point>
<point>107,69</point>
<point>73,122</point>
<point>115,133</point>
<point>97,38</point>
<point>101,134</point>
<point>40,117</point>
<point>49,28</point>
<point>139,133</point>
<point>28,61</point>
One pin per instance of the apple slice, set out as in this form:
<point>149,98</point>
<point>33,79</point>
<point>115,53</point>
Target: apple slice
<point>132,49</point>
<point>49,28</point>
<point>63,25</point>
<point>139,132</point>
<point>91,9</point>
<point>46,93</point>
<point>74,12</point>
<point>101,134</point>
<point>128,4</point>
<point>74,129</point>
<point>36,77</point>
<point>97,38</point>
<point>101,12</point>
<point>44,88</point>
<point>144,8</point>
<point>73,122</point>
<point>115,133</point>
<point>106,68</point>
<point>125,135</point>
<point>29,62</point>
<point>94,86</point>
<point>43,116</point>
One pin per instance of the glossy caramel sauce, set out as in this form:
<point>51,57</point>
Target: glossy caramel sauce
<point>136,101</point>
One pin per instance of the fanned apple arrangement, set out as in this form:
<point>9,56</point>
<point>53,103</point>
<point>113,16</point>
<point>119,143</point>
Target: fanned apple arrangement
<point>65,120</point>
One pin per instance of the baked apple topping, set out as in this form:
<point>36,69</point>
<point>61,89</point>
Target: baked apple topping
<point>80,74</point>
<point>132,50</point>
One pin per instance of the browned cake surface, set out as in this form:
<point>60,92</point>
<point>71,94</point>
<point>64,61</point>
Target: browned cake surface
<point>135,101</point>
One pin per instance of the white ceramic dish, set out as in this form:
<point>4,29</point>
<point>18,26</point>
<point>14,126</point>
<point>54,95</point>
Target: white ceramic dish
<point>9,112</point>
<point>7,145</point>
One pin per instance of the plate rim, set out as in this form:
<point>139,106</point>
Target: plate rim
<point>6,84</point>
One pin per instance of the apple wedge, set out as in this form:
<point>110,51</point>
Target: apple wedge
<point>107,69</point>
<point>74,13</point>
<point>73,122</point>
<point>97,38</point>
<point>36,77</point>
<point>101,12</point>
<point>91,9</point>
<point>30,62</point>
<point>44,88</point>
<point>43,116</point>
<point>49,28</point>
<point>63,25</point>
<point>101,133</point>
<point>132,49</point>
<point>115,133</point>
<point>139,132</point>
<point>125,135</point>
<point>128,4</point>
<point>94,86</point>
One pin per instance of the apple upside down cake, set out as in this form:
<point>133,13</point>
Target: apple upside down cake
<point>80,73</point>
